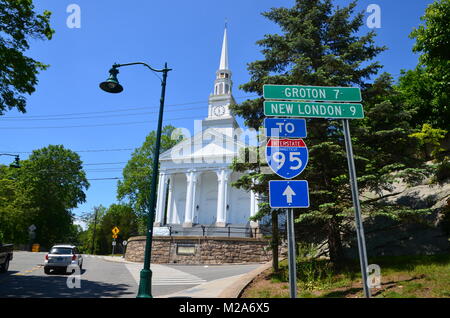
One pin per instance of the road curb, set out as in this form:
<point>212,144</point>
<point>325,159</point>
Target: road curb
<point>112,259</point>
<point>235,290</point>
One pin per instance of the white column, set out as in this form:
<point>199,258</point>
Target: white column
<point>252,203</point>
<point>170,201</point>
<point>222,178</point>
<point>161,199</point>
<point>254,206</point>
<point>190,198</point>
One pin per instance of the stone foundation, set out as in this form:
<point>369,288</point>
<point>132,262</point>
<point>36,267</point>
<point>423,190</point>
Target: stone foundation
<point>200,250</point>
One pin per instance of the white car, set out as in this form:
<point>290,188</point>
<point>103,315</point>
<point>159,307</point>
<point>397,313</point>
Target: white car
<point>63,257</point>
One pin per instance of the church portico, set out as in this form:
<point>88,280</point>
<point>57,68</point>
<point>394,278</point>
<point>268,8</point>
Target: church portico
<point>202,197</point>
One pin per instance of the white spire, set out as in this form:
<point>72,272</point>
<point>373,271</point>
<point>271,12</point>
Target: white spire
<point>224,55</point>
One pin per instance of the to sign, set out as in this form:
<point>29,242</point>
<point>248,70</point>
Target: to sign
<point>288,194</point>
<point>317,93</point>
<point>114,236</point>
<point>115,230</point>
<point>313,109</point>
<point>287,157</point>
<point>285,127</point>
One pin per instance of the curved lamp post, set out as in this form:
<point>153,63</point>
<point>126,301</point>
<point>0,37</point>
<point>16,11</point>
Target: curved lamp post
<point>16,163</point>
<point>112,85</point>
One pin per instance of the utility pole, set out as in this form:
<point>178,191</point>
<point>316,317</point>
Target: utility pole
<point>95,227</point>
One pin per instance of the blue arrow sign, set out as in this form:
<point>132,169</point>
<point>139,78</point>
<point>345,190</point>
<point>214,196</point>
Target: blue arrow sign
<point>288,194</point>
<point>287,157</point>
<point>285,127</point>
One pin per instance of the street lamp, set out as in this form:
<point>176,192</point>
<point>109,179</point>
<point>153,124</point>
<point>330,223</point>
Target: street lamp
<point>111,85</point>
<point>16,163</point>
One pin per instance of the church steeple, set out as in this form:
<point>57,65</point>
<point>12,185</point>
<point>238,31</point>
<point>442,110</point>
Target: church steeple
<point>223,83</point>
<point>219,115</point>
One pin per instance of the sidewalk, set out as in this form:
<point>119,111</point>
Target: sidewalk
<point>228,287</point>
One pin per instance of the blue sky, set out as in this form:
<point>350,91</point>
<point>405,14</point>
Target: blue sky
<point>185,34</point>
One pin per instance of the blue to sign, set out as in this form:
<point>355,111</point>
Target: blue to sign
<point>285,127</point>
<point>288,194</point>
<point>287,157</point>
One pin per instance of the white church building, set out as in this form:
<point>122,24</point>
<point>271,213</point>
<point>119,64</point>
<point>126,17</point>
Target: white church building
<point>194,189</point>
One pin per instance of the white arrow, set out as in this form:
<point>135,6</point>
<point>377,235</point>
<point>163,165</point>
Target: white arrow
<point>289,193</point>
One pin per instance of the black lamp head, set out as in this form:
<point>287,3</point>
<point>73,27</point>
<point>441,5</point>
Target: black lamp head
<point>112,85</point>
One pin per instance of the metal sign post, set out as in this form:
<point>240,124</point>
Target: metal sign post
<point>113,246</point>
<point>355,196</point>
<point>291,254</point>
<point>124,244</point>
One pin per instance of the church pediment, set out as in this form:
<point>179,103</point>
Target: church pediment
<point>209,143</point>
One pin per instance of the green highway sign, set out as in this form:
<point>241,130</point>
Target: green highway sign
<point>313,110</point>
<point>316,93</point>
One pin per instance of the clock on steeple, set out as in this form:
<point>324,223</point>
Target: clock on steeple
<point>219,111</point>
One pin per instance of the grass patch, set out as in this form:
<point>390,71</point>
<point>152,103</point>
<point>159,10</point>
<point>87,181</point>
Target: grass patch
<point>423,276</point>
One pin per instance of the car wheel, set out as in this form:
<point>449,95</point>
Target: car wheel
<point>47,271</point>
<point>4,267</point>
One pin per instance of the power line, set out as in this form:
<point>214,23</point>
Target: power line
<point>104,163</point>
<point>92,125</point>
<point>100,116</point>
<point>117,110</point>
<point>91,150</point>
<point>98,179</point>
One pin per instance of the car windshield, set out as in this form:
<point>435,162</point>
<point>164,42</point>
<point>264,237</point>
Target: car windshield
<point>61,250</point>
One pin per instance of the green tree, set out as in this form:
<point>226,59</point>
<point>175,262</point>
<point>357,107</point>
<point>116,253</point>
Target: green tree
<point>53,181</point>
<point>417,90</point>
<point>430,82</point>
<point>18,73</point>
<point>120,215</point>
<point>124,218</point>
<point>13,207</point>
<point>92,221</point>
<point>136,183</point>
<point>320,44</point>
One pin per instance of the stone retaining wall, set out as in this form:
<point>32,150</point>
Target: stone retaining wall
<point>200,250</point>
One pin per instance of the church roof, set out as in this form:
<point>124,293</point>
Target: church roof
<point>207,144</point>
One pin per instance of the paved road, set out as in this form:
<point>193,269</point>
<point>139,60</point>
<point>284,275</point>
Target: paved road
<point>103,278</point>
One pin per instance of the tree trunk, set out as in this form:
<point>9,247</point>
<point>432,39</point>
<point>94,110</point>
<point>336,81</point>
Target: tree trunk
<point>335,244</point>
<point>275,241</point>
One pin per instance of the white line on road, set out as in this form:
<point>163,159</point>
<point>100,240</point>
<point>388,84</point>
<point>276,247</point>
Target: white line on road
<point>165,276</point>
